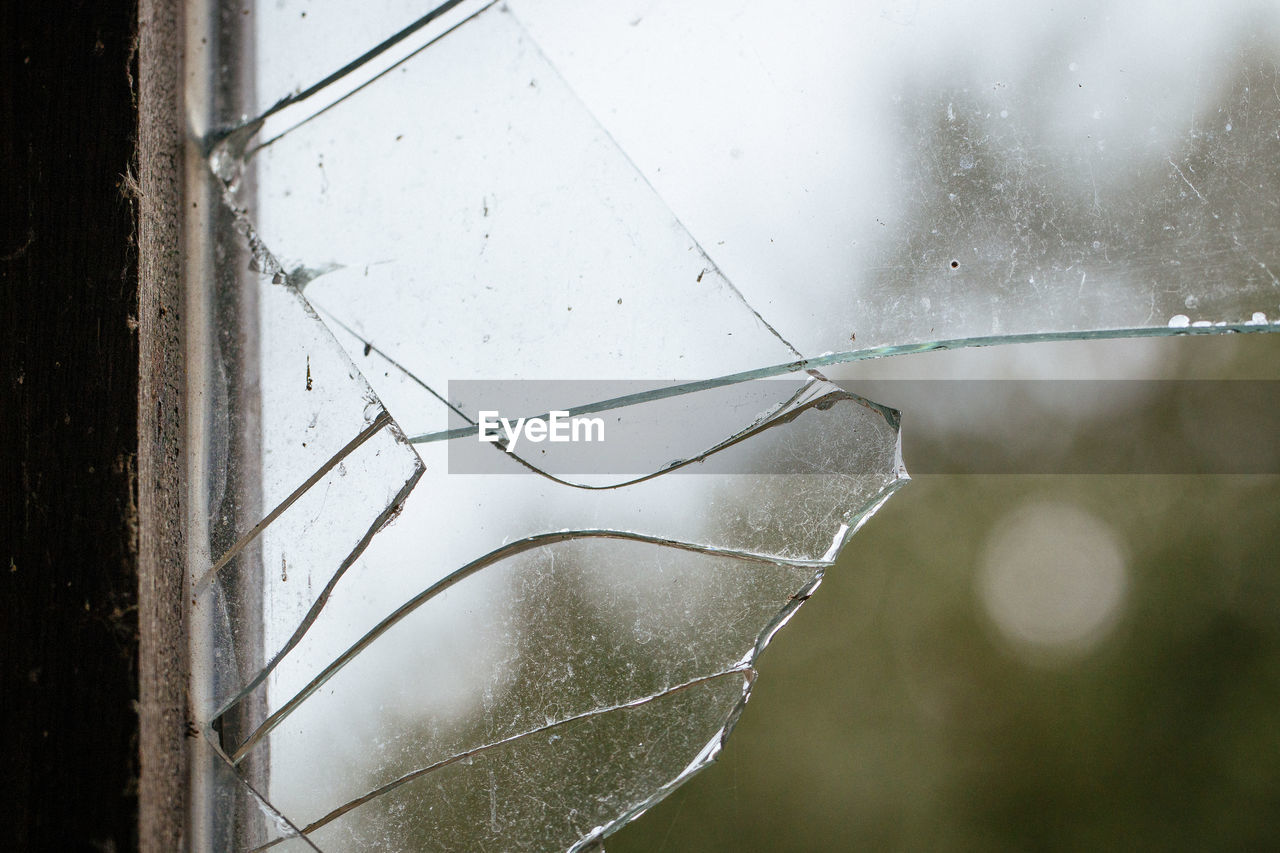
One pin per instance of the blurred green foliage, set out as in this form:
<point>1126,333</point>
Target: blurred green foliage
<point>893,715</point>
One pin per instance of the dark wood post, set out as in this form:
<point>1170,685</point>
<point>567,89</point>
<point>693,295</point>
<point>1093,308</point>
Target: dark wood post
<point>91,645</point>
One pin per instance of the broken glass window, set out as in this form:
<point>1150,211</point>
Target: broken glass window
<point>405,637</point>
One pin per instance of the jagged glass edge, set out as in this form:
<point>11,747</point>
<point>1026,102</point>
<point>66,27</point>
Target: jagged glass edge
<point>745,667</point>
<point>711,752</point>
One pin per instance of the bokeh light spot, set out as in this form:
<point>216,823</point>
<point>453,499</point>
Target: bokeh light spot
<point>1053,579</point>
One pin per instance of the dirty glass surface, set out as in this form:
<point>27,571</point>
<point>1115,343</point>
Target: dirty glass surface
<point>662,201</point>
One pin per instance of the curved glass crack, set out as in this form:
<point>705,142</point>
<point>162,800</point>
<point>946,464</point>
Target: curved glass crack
<point>488,747</point>
<point>382,420</point>
<point>381,520</point>
<point>824,463</point>
<point>732,621</point>
<point>641,753</point>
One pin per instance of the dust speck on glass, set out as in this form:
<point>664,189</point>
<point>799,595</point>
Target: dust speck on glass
<point>392,197</point>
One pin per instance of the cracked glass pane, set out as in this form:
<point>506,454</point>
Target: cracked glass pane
<point>313,410</point>
<point>245,820</point>
<point>1014,193</point>
<point>791,492</point>
<point>332,468</point>
<point>472,562</point>
<point>541,253</point>
<point>305,550</point>
<point>409,638</point>
<point>544,637</point>
<point>485,801</point>
<point>916,172</point>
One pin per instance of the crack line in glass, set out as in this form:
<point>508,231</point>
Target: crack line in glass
<point>472,568</point>
<point>778,415</point>
<point>249,153</point>
<point>262,801</point>
<point>372,347</point>
<point>373,53</point>
<point>382,420</point>
<point>714,267</point>
<point>478,750</point>
<point>844,357</point>
<point>382,520</point>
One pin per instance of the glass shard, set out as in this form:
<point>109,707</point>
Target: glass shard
<point>545,637</point>
<point>468,203</point>
<point>496,797</point>
<point>303,553</point>
<point>315,409</point>
<point>793,491</point>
